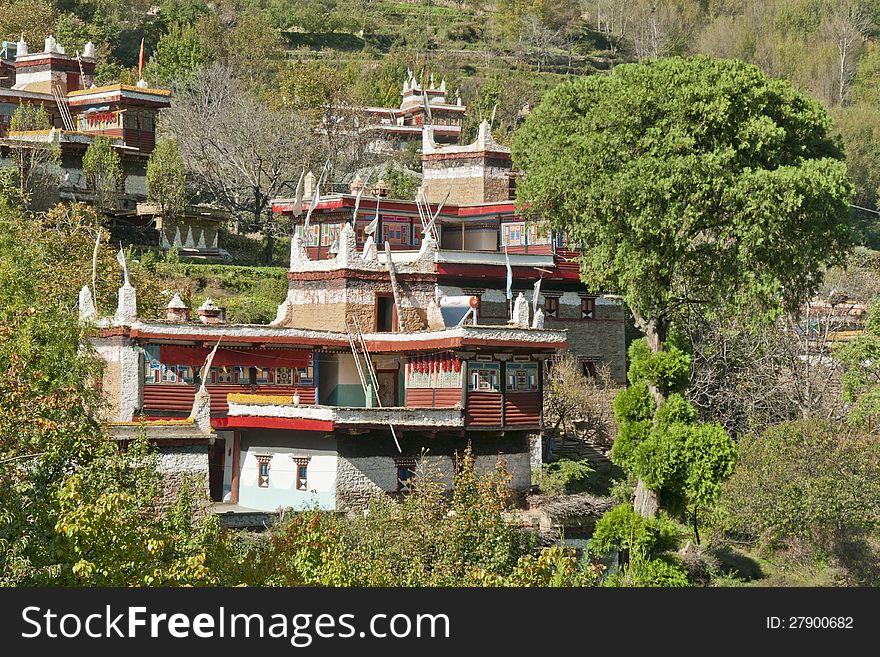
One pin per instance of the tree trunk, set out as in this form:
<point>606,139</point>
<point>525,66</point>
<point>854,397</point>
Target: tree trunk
<point>646,501</point>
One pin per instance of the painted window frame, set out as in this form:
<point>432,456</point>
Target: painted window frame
<point>409,465</point>
<point>588,308</point>
<point>301,474</point>
<point>522,377</point>
<point>484,377</point>
<point>263,461</point>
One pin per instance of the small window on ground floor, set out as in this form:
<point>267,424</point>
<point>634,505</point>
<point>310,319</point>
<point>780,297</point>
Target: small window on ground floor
<point>263,471</point>
<point>588,308</point>
<point>406,474</point>
<point>302,472</point>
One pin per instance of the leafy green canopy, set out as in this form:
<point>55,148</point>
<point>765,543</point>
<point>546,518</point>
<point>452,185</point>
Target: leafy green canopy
<point>691,180</point>
<point>809,482</point>
<point>665,446</point>
<point>166,179</point>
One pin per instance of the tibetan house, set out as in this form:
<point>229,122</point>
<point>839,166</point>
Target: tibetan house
<point>477,232</point>
<point>367,371</point>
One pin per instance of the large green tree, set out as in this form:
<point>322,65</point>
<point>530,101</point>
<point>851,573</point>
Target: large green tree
<point>691,181</point>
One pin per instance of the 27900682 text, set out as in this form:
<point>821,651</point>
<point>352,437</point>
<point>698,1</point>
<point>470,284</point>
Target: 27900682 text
<point>810,623</point>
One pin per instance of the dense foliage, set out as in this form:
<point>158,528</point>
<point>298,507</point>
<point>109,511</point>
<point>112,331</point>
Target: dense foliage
<point>812,484</point>
<point>689,181</point>
<point>73,508</point>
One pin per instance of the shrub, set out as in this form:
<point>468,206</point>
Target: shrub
<point>813,483</point>
<point>565,477</point>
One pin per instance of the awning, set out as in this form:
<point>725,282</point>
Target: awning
<point>179,355</point>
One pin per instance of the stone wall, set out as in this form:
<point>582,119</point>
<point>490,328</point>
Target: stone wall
<point>366,467</point>
<point>179,464</point>
<point>122,380</point>
<point>355,299</point>
<point>467,181</point>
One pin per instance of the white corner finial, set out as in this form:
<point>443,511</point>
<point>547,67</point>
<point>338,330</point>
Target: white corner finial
<point>142,83</point>
<point>406,86</point>
<point>87,310</point>
<point>428,143</point>
<point>443,84</point>
<point>49,44</point>
<point>89,50</point>
<point>484,131</point>
<point>176,302</point>
<point>21,47</point>
<point>126,309</point>
<point>309,185</point>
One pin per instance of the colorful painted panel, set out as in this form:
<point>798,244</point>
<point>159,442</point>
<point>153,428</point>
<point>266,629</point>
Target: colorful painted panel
<point>330,233</point>
<point>522,376</point>
<point>231,375</point>
<point>313,236</point>
<point>433,371</point>
<point>395,232</point>
<point>484,377</point>
<point>539,233</point>
<point>513,234</point>
<point>360,228</point>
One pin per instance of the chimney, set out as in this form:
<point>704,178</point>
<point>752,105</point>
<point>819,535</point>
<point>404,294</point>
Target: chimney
<point>209,313</point>
<point>177,310</point>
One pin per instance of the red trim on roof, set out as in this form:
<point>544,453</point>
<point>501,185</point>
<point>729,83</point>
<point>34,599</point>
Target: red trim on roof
<point>252,422</point>
<point>404,206</point>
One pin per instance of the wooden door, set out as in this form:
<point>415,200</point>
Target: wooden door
<point>387,387</point>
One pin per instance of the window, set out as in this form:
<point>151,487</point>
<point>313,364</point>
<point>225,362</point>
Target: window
<point>539,233</point>
<point>386,315</point>
<point>483,377</point>
<point>395,232</point>
<point>589,368</point>
<point>551,307</point>
<point>360,234</point>
<point>263,471</point>
<point>330,233</point>
<point>406,474</point>
<point>302,470</point>
<point>284,376</point>
<point>513,234</point>
<point>588,308</point>
<point>522,376</point>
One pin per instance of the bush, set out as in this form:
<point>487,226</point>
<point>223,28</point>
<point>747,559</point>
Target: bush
<point>811,483</point>
<point>624,530</point>
<point>565,477</point>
